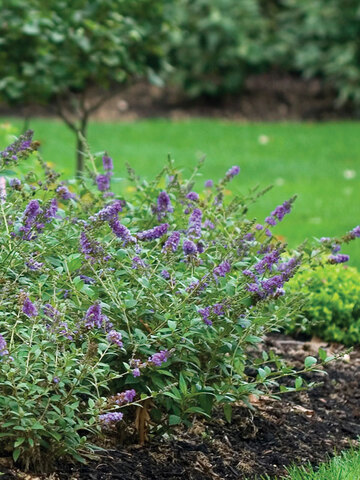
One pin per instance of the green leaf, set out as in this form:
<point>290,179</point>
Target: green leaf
<point>19,441</point>
<point>16,454</point>
<point>174,420</point>
<point>228,412</point>
<point>298,382</point>
<point>309,361</point>
<point>182,384</point>
<point>130,303</point>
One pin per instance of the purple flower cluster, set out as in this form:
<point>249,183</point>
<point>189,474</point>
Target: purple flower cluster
<point>273,285</point>
<point>165,274</point>
<point>209,184</point>
<point>194,230</point>
<point>108,213</point>
<point>137,263</point>
<point>29,308</point>
<point>123,397</point>
<point>32,264</point>
<point>115,337</point>
<point>92,249</point>
<point>268,261</point>
<point>232,172</point>
<point>110,418</point>
<point>340,258</point>
<point>222,269</point>
<point>189,248</point>
<point>208,224</point>
<point>172,243</point>
<point>107,164</point>
<point>95,319</point>
<point>51,312</point>
<point>193,196</point>
<point>159,358</point>
<point>279,213</point>
<point>51,211</point>
<point>103,183</point>
<point>153,233</point>
<point>163,205</point>
<point>30,217</point>
<point>20,147</point>
<point>198,285</point>
<point>64,193</point>
<point>3,347</point>
<point>121,231</point>
<point>207,312</point>
<point>355,232</point>
<point>15,183</point>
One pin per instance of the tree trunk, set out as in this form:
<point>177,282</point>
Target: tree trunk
<point>81,148</point>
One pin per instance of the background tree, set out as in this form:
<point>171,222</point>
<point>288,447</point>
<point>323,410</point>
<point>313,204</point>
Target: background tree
<point>56,51</point>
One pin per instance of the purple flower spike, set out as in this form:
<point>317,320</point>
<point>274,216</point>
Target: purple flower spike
<point>355,232</point>
<point>172,243</point>
<point>95,319</point>
<point>153,233</point>
<point>121,231</point>
<point>110,418</point>
<point>222,269</point>
<point>64,193</point>
<point>205,314</point>
<point>340,258</point>
<point>3,347</point>
<point>159,358</point>
<point>107,163</point>
<point>29,308</point>
<point>209,184</point>
<point>115,337</point>
<point>165,274</point>
<point>103,182</point>
<point>193,196</point>
<point>189,247</point>
<point>163,205</point>
<point>232,172</point>
<point>194,230</point>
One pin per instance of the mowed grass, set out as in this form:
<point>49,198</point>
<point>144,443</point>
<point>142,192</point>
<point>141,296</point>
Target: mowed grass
<point>343,467</point>
<point>318,162</point>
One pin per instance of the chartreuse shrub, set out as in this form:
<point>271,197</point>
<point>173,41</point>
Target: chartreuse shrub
<point>332,308</point>
<point>118,312</point>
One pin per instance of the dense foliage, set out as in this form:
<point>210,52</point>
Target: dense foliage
<point>116,312</point>
<point>216,44</point>
<point>332,308</point>
<point>321,39</point>
<point>56,51</point>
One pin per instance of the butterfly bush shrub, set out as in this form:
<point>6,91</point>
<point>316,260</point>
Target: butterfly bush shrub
<point>117,312</point>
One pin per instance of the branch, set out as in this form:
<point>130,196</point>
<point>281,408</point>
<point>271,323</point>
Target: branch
<point>60,111</point>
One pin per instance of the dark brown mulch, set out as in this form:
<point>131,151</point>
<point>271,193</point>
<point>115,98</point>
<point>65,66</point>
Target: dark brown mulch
<point>272,96</point>
<point>303,427</point>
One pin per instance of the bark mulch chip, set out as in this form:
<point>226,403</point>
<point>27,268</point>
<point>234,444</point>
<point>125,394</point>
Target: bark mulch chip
<point>303,427</point>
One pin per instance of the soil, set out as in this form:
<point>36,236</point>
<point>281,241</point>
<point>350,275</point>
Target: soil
<point>272,96</point>
<point>303,427</point>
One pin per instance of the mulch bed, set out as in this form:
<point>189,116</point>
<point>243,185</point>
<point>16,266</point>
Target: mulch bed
<point>304,427</point>
<point>271,96</point>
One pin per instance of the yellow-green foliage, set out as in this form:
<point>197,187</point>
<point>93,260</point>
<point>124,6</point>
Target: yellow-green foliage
<point>332,305</point>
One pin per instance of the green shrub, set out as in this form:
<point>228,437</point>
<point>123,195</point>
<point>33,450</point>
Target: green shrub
<point>320,38</point>
<point>332,305</point>
<point>216,44</point>
<point>144,309</point>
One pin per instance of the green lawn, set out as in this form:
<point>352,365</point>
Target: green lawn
<point>309,159</point>
<point>343,467</point>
